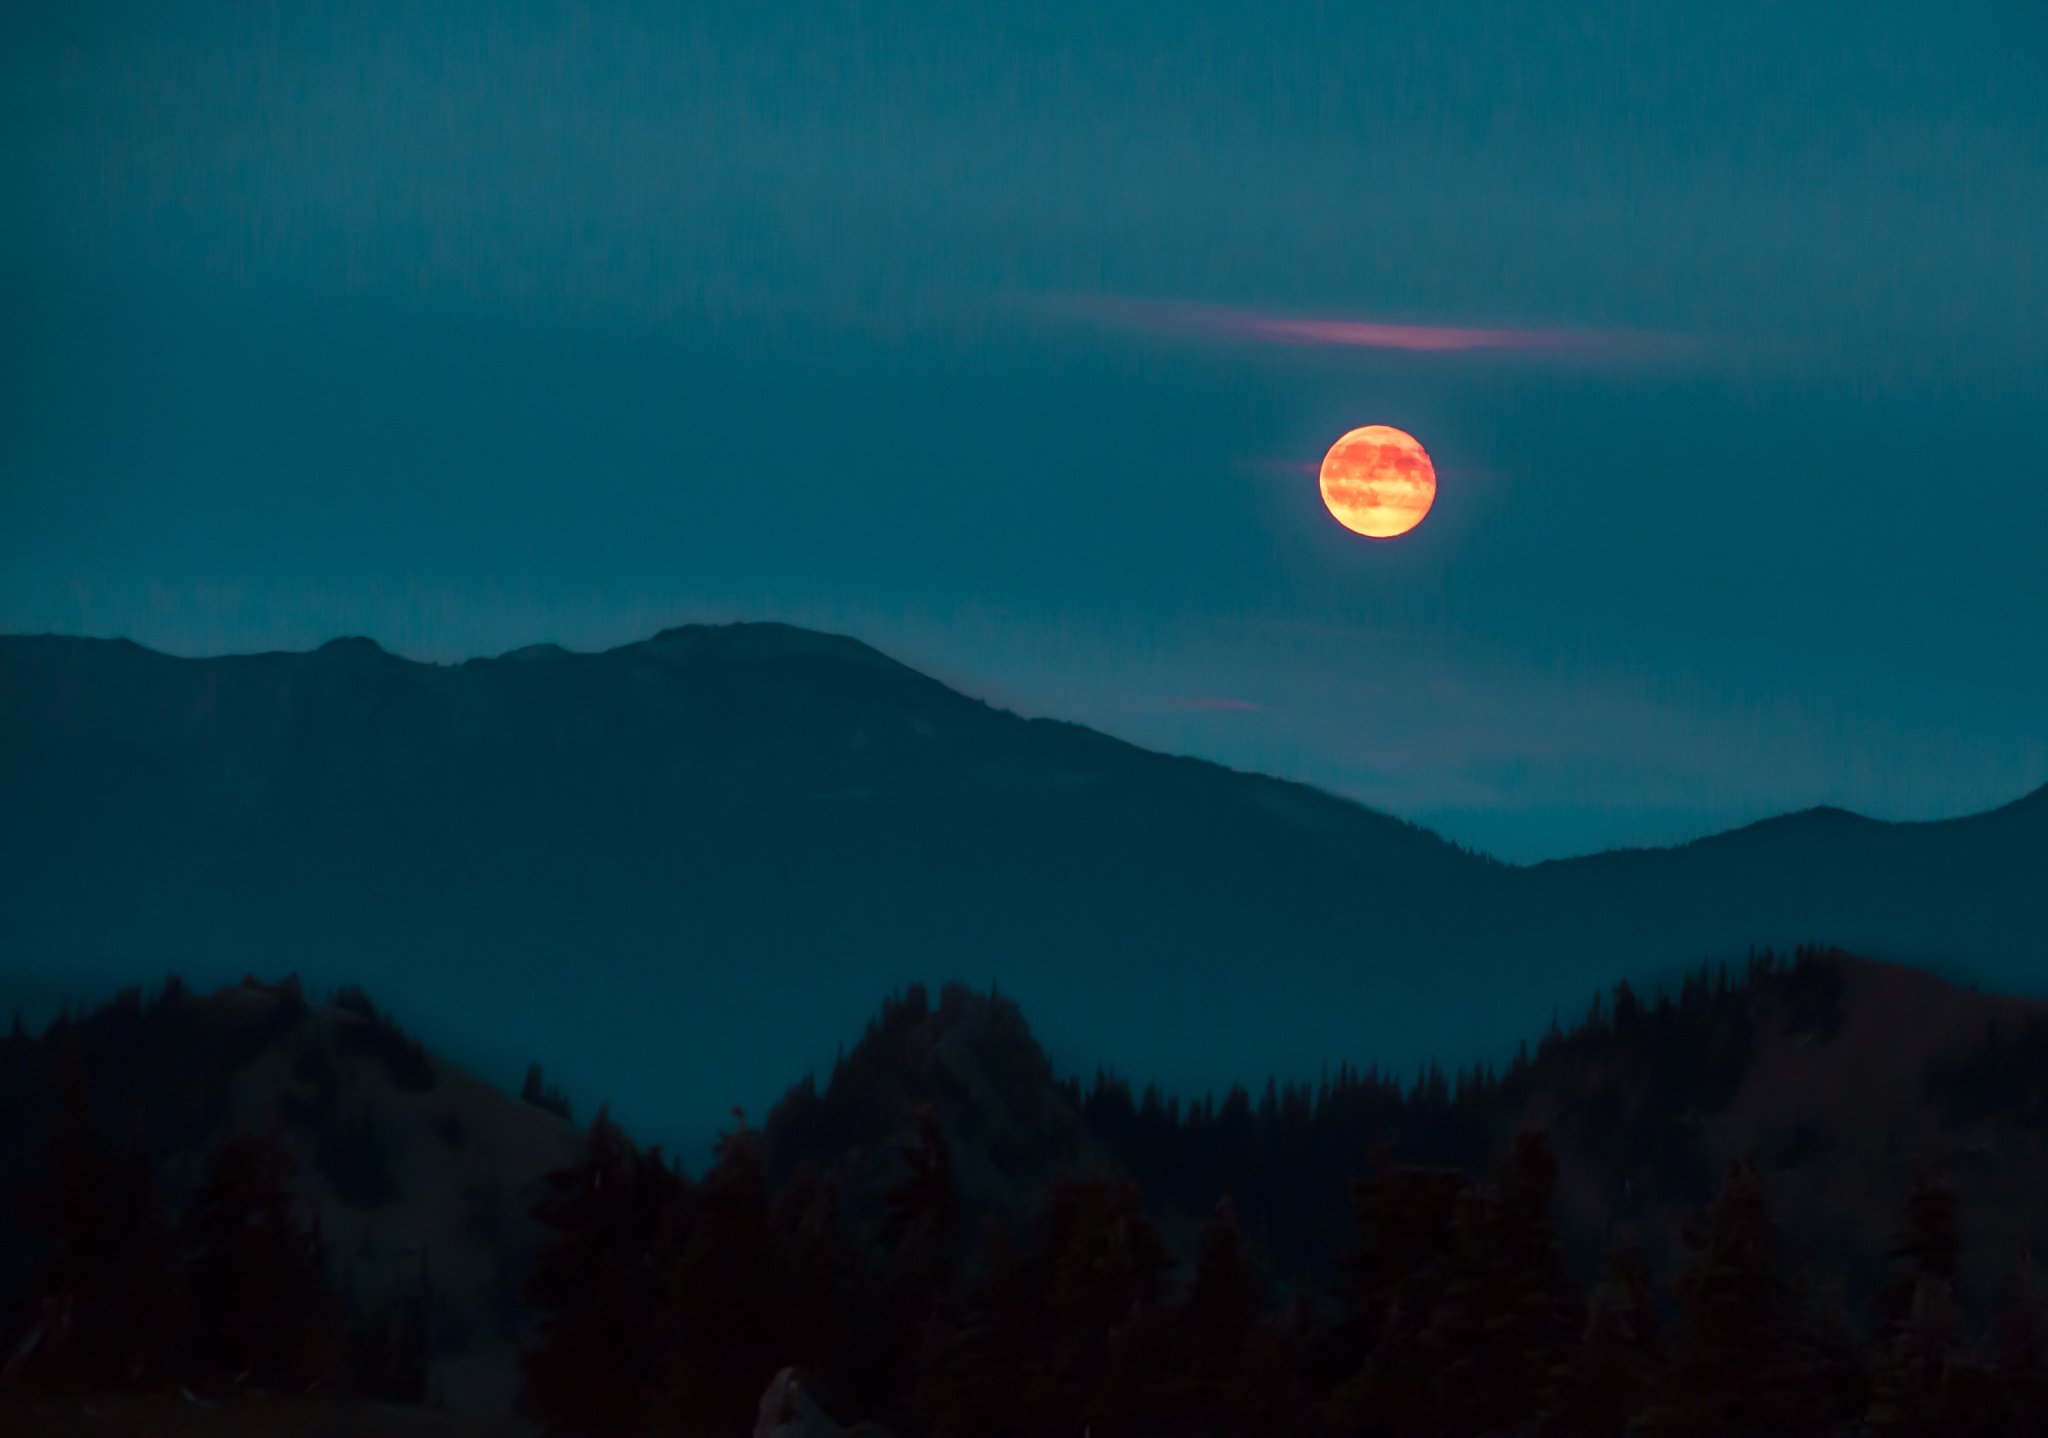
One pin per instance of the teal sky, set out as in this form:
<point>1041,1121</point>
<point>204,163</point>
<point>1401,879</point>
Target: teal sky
<point>991,334</point>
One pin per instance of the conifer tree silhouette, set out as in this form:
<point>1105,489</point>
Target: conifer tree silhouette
<point>598,1287</point>
<point>728,1285</point>
<point>1919,1388</point>
<point>536,1090</point>
<point>1608,1377</point>
<point>1391,1281</point>
<point>811,1250</point>
<point>1919,1385</point>
<point>1064,1337</point>
<point>2016,1391</point>
<point>1511,1311</point>
<point>1105,1269</point>
<point>1926,1249</point>
<point>921,1209</point>
<point>980,1372</point>
<point>919,1265</point>
<point>262,1312</point>
<point>108,1288</point>
<point>1740,1363</point>
<point>1231,1371</point>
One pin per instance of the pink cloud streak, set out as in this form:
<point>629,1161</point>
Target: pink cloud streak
<point>1311,330</point>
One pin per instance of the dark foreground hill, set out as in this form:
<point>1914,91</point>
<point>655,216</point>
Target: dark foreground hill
<point>684,867</point>
<point>1847,1090</point>
<point>1837,1075</point>
<point>423,1177</point>
<point>176,1416</point>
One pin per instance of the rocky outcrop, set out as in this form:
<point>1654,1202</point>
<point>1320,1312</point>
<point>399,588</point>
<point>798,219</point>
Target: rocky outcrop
<point>790,1409</point>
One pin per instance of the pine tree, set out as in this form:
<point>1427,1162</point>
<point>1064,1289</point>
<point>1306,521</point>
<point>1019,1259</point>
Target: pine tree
<point>1223,1302</point>
<point>1391,1282</point>
<point>262,1312</point>
<point>1104,1268</point>
<point>1835,1356</point>
<point>109,1310</point>
<point>1232,1371</point>
<point>979,1369</point>
<point>1740,1364</point>
<point>922,1207</point>
<point>1927,1249</point>
<point>2016,1390</point>
<point>727,1287</point>
<point>598,1288</point>
<point>1608,1378</point>
<point>1627,1007</point>
<point>920,1258</point>
<point>1511,1312</point>
<point>1918,1390</point>
<point>816,1265</point>
<point>542,1094</point>
<point>1919,1385</point>
<point>1070,1336</point>
<point>1101,1253</point>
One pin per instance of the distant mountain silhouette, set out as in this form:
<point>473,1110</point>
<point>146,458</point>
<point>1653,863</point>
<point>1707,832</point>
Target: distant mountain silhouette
<point>684,867</point>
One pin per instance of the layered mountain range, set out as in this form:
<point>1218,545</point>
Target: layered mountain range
<point>683,869</point>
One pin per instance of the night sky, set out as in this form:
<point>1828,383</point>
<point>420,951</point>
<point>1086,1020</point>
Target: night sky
<point>1005,338</point>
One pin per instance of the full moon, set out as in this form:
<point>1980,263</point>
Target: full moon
<point>1378,481</point>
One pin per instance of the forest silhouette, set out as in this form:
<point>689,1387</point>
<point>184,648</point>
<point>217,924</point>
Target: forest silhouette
<point>1366,1257</point>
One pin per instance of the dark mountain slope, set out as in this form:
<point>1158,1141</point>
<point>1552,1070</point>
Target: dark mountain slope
<point>971,1060</point>
<point>685,866</point>
<point>1963,896</point>
<point>422,1176</point>
<point>1836,1074</point>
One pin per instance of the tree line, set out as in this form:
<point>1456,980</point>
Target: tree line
<point>1431,1297</point>
<point>1628,1082</point>
<point>666,1304</point>
<point>233,1291</point>
<point>115,1281</point>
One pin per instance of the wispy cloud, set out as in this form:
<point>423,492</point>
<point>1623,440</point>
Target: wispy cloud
<point>1276,327</point>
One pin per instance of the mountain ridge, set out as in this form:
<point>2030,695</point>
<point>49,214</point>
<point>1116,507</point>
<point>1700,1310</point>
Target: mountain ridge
<point>830,644</point>
<point>769,825</point>
<point>806,642</point>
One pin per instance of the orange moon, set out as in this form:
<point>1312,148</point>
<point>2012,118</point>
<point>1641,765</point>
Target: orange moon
<point>1378,481</point>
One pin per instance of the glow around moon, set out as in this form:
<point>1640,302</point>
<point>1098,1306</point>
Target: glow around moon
<point>1377,481</point>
